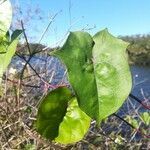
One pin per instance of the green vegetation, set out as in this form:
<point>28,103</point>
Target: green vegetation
<point>8,43</point>
<point>139,49</point>
<point>99,73</point>
<point>60,117</point>
<point>5,16</point>
<point>95,65</point>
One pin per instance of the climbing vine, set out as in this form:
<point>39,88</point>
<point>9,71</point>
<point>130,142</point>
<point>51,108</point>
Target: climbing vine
<point>99,74</point>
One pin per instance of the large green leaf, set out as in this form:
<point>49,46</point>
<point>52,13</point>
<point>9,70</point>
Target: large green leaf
<point>52,111</point>
<point>8,48</point>
<point>99,75</point>
<point>5,16</point>
<point>113,78</point>
<point>74,125</point>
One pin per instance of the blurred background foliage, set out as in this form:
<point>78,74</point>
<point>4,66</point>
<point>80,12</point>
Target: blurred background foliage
<point>139,49</point>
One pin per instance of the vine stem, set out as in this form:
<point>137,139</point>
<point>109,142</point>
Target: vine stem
<point>47,85</point>
<point>137,130</point>
<point>16,82</point>
<point>139,101</point>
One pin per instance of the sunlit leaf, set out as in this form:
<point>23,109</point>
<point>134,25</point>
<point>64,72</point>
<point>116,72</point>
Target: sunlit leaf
<point>146,118</point>
<point>75,124</point>
<point>112,73</point>
<point>5,16</point>
<point>134,122</point>
<point>59,117</point>
<point>9,47</point>
<point>99,75</point>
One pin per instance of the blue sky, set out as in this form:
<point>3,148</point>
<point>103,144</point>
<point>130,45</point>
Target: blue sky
<point>121,17</point>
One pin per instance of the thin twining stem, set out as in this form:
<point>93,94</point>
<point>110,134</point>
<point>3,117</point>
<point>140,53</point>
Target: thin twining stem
<point>139,101</point>
<point>137,130</point>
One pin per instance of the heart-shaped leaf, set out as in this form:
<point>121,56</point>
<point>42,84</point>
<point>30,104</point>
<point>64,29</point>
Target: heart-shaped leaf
<point>5,16</point>
<point>59,117</point>
<point>99,75</point>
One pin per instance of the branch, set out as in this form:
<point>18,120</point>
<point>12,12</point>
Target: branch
<point>139,101</point>
<point>45,82</point>
<point>16,82</point>
<point>137,130</point>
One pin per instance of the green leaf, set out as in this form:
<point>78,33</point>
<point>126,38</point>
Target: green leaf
<point>135,123</point>
<point>99,75</point>
<point>60,119</point>
<point>112,73</point>
<point>9,48</point>
<point>52,111</point>
<point>74,125</point>
<point>132,121</point>
<point>29,147</point>
<point>5,16</point>
<point>146,118</point>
